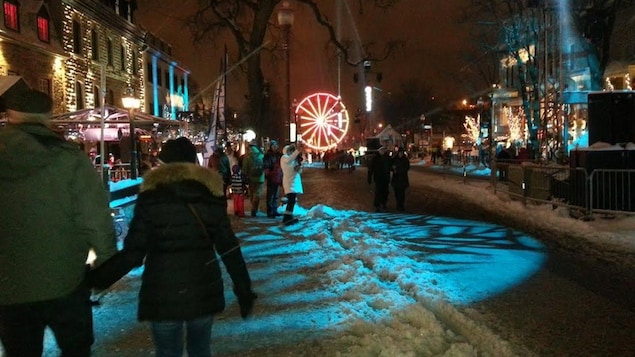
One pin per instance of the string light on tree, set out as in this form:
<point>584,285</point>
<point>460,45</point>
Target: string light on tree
<point>515,122</point>
<point>473,128</point>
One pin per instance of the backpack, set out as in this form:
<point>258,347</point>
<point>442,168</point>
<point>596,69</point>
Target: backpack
<point>257,166</point>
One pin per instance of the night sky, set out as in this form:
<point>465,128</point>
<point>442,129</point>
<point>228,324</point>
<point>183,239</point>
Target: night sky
<point>434,44</point>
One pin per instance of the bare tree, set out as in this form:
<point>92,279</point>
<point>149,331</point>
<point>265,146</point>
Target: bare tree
<point>250,24</point>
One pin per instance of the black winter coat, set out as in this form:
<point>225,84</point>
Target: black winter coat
<point>400,167</point>
<point>271,164</point>
<point>379,169</point>
<point>182,277</point>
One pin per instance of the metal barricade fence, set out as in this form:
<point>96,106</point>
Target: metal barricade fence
<point>119,172</point>
<point>612,191</point>
<point>600,191</point>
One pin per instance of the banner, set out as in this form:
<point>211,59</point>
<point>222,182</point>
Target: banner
<point>221,94</point>
<point>217,114</point>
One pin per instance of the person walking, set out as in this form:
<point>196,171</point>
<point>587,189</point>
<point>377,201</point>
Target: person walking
<point>219,161</point>
<point>273,177</point>
<point>238,191</point>
<point>53,210</point>
<point>179,228</point>
<point>399,181</point>
<point>379,173</point>
<point>253,169</point>
<point>291,164</point>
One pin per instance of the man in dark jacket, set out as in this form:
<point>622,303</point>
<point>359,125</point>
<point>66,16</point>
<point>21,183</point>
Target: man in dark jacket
<point>273,177</point>
<point>379,172</point>
<point>220,162</point>
<point>399,181</point>
<point>52,211</point>
<point>180,222</point>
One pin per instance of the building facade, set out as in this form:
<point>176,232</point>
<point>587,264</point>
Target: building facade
<point>31,47</point>
<point>83,51</point>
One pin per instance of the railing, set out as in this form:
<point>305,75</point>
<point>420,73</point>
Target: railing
<point>600,191</point>
<point>116,172</point>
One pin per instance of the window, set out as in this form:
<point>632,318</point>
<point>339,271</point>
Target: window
<point>96,101</point>
<point>110,97</point>
<point>44,85</point>
<point>123,58</point>
<point>150,77</point>
<point>43,33</point>
<point>11,15</point>
<point>135,70</point>
<point>77,37</point>
<point>94,42</point>
<point>109,47</point>
<point>79,95</point>
<point>167,79</point>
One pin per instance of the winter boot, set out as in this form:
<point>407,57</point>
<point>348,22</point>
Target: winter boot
<point>288,219</point>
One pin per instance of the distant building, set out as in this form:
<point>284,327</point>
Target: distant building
<point>31,47</point>
<point>79,50</point>
<point>166,80</point>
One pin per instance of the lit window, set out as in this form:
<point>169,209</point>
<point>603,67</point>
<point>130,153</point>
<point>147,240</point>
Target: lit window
<point>11,15</point>
<point>43,26</point>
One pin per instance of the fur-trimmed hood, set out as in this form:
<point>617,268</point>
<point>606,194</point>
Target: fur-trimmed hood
<point>182,171</point>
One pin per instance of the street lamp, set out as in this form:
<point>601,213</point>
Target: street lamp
<point>131,103</point>
<point>285,20</point>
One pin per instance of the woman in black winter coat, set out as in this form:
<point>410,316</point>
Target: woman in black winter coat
<point>400,167</point>
<point>180,222</point>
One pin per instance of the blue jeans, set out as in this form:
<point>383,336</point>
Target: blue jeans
<point>168,337</point>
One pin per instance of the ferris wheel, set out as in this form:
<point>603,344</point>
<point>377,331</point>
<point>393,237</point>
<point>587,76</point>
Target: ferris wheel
<point>322,120</point>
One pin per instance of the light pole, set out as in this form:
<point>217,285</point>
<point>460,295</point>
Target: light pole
<point>131,103</point>
<point>285,20</point>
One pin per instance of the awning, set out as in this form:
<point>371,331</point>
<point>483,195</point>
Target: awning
<point>112,115</point>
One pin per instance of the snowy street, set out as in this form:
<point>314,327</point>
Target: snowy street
<point>432,281</point>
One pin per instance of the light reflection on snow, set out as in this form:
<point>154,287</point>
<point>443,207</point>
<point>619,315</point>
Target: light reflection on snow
<point>338,270</point>
<point>342,267</point>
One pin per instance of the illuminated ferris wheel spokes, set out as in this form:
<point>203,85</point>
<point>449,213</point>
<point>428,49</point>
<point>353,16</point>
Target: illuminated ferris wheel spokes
<point>322,120</point>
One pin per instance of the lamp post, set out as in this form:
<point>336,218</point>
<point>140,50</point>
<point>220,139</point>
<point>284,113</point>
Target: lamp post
<point>285,20</point>
<point>492,133</point>
<point>131,103</point>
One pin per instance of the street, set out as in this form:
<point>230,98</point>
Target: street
<point>431,281</point>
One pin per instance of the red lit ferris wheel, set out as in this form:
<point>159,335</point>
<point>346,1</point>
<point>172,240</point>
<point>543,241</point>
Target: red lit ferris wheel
<point>322,120</point>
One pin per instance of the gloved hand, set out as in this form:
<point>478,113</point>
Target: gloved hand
<point>246,303</point>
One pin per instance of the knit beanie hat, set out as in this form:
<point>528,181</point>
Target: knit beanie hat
<point>28,106</point>
<point>178,150</point>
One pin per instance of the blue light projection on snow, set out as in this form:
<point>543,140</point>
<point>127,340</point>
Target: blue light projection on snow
<point>336,268</point>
